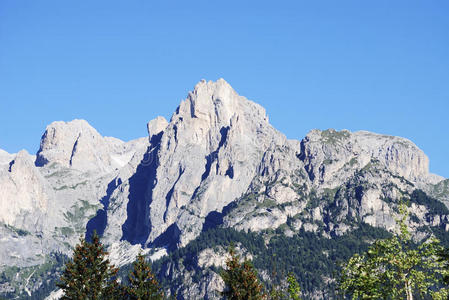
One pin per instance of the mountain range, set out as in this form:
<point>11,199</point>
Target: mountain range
<point>217,168</point>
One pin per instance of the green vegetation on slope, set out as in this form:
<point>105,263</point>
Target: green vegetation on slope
<point>42,278</point>
<point>311,258</point>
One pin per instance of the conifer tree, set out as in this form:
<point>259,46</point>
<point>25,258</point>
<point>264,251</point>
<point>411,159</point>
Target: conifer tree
<point>143,284</point>
<point>89,275</point>
<point>241,280</point>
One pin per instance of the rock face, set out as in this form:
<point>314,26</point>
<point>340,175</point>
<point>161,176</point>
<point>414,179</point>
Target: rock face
<point>198,163</point>
<point>217,162</point>
<point>329,154</point>
<point>47,200</point>
<point>20,180</point>
<point>79,146</point>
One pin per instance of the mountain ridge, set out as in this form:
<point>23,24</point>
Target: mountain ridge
<point>217,162</point>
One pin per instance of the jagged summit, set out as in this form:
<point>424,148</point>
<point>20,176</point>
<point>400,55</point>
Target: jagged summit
<point>77,145</point>
<point>62,140</point>
<point>205,158</point>
<point>217,103</point>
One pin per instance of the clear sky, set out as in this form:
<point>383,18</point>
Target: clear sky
<point>380,65</point>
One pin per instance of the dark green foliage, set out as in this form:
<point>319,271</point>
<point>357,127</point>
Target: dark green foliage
<point>441,234</point>
<point>288,290</point>
<point>89,275</point>
<point>43,277</point>
<point>142,282</point>
<point>49,284</point>
<point>444,258</point>
<point>241,282</point>
<point>308,256</point>
<point>253,242</point>
<point>312,259</point>
<point>434,206</point>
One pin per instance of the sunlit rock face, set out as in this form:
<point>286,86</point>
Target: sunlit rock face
<point>330,156</point>
<point>78,146</point>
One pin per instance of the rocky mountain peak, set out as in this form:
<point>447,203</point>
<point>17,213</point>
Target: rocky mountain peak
<point>77,145</point>
<point>206,158</point>
<point>217,103</point>
<point>62,140</point>
<point>217,98</point>
<point>330,155</point>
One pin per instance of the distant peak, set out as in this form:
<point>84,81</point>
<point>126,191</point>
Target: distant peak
<point>212,84</point>
<point>59,141</point>
<point>212,90</point>
<point>74,124</point>
<point>213,101</point>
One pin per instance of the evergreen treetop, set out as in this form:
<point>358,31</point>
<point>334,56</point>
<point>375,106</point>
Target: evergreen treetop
<point>89,275</point>
<point>241,279</point>
<point>143,284</point>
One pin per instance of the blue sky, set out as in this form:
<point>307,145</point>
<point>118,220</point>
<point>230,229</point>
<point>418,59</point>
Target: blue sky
<point>381,66</point>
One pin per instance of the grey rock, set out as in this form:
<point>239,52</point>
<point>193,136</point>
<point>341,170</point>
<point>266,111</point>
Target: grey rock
<point>330,156</point>
<point>156,126</point>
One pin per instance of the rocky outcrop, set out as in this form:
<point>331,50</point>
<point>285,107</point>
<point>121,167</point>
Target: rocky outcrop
<point>78,146</point>
<point>47,200</point>
<point>25,193</point>
<point>331,156</point>
<point>156,126</point>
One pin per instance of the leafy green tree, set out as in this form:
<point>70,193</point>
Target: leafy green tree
<point>143,284</point>
<point>294,290</point>
<point>290,291</point>
<point>89,275</point>
<point>396,268</point>
<point>241,279</point>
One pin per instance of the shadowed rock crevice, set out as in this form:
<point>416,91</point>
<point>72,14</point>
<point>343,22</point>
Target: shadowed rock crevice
<point>41,161</point>
<point>169,239</point>
<point>212,220</point>
<point>136,228</point>
<point>74,150</point>
<point>230,172</point>
<point>302,156</point>
<point>215,218</point>
<point>214,155</point>
<point>11,163</point>
<point>99,222</point>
